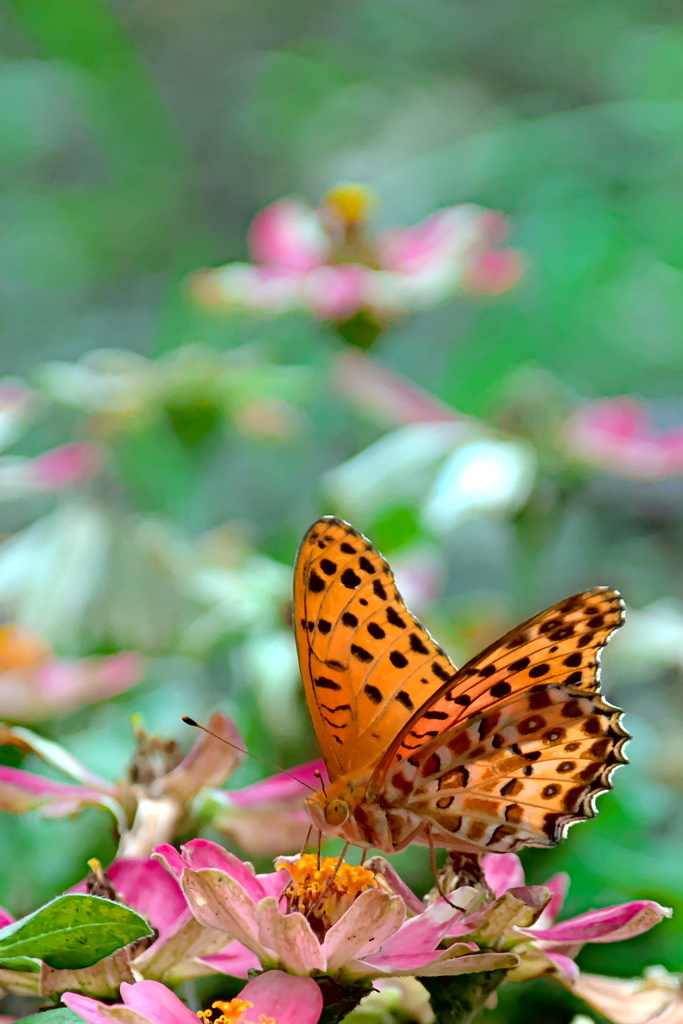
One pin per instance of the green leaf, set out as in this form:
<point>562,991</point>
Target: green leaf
<point>73,931</point>
<point>62,1015</point>
<point>20,963</point>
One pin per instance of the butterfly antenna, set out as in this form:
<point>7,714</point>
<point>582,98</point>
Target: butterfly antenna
<point>190,721</point>
<point>319,775</point>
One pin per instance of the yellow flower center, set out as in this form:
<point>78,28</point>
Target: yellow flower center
<point>20,649</point>
<point>350,202</point>
<point>324,893</point>
<point>232,1012</point>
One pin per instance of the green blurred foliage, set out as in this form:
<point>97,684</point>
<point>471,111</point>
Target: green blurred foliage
<point>137,140</point>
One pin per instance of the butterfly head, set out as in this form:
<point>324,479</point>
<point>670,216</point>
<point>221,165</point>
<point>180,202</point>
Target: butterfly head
<point>332,808</point>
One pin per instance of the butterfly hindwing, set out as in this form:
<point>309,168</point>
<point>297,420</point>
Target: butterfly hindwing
<point>517,776</point>
<point>367,663</point>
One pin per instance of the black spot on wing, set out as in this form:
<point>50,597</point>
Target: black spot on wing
<point>315,583</point>
<point>373,693</point>
<point>350,579</point>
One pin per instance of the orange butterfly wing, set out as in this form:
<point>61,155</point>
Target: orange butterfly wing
<point>366,662</point>
<point>523,743</point>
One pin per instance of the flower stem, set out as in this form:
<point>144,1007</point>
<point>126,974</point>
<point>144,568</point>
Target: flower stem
<point>459,1000</point>
<point>339,1000</point>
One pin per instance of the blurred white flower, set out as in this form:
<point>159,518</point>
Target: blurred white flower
<point>196,383</point>
<point>484,476</point>
<point>397,468</point>
<point>51,572</point>
<point>654,635</point>
<point>449,470</point>
<point>17,403</point>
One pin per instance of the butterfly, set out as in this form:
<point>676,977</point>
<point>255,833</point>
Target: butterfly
<point>506,752</point>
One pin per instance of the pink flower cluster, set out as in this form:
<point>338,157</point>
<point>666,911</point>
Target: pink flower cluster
<point>326,261</point>
<point>213,914</point>
<point>618,436</point>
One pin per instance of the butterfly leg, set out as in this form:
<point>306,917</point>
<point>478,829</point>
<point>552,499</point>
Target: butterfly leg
<point>364,854</point>
<point>432,862</point>
<point>308,836</point>
<point>320,847</point>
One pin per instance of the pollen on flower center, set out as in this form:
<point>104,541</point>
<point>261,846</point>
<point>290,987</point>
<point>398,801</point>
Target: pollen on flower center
<point>324,893</point>
<point>232,1012</point>
<point>351,202</point>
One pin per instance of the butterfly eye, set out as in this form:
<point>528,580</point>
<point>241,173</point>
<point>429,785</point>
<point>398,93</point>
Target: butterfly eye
<point>336,812</point>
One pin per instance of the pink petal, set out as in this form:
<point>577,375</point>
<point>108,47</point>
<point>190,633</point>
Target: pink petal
<point>422,934</point>
<point>288,1000</point>
<point>5,917</point>
<point>383,867</point>
<point>280,787</point>
<point>338,292</point>
<point>146,886</point>
<point>86,1008</point>
<point>157,1003</point>
<point>565,965</point>
<point>495,272</point>
<point>558,885</point>
<point>471,964</point>
<point>268,290</point>
<point>235,960</point>
<point>209,761</point>
<point>610,924</point>
<point>631,1000</point>
<point>202,853</point>
<point>23,791</point>
<point>384,395</point>
<point>291,937</point>
<point>502,871</point>
<point>288,234</point>
<point>364,928</point>
<point>66,465</point>
<point>217,901</point>
<point>169,856</point>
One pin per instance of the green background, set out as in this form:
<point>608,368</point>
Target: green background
<point>138,139</point>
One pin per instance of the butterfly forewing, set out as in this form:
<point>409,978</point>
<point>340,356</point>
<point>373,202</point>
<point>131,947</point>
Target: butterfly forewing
<point>367,663</point>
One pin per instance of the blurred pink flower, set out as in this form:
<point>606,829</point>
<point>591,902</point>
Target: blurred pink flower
<point>161,788</point>
<point>618,436</point>
<point>35,685</point>
<point>334,920</point>
<point>272,996</point>
<point>267,817</point>
<point>384,395</point>
<point>58,469</point>
<point>657,997</point>
<point>325,260</point>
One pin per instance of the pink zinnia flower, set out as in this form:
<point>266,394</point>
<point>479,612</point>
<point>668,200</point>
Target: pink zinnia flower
<point>273,997</point>
<point>618,436</point>
<point>149,807</point>
<point>327,261</point>
<point>334,919</point>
